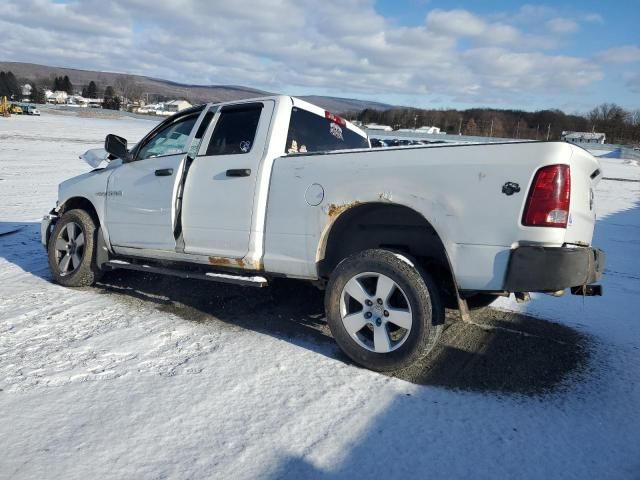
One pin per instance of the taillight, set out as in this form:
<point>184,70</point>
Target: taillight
<point>332,117</point>
<point>548,201</point>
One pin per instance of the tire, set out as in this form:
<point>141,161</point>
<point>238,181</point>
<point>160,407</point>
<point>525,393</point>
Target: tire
<point>72,250</point>
<point>480,300</point>
<point>413,300</point>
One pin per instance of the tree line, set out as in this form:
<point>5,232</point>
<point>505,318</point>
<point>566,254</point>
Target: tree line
<point>619,125</point>
<point>63,84</point>
<point>11,87</point>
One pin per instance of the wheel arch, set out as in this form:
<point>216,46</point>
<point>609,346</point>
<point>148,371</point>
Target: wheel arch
<point>391,226</point>
<point>81,203</point>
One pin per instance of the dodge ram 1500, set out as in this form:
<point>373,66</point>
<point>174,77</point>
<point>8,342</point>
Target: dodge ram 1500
<point>248,191</point>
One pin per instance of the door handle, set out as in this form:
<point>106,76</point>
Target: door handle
<point>164,172</point>
<point>239,172</point>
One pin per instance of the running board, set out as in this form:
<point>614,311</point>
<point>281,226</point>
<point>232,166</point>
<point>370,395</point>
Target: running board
<point>254,281</point>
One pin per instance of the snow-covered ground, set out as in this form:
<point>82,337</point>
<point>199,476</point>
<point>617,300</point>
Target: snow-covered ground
<point>122,381</point>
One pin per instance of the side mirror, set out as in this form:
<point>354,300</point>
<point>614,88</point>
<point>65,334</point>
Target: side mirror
<point>117,146</point>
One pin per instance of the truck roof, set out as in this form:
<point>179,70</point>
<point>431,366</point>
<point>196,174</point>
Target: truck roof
<point>295,102</point>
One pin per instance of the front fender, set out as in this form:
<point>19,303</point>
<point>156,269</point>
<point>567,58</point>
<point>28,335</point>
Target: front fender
<point>87,191</point>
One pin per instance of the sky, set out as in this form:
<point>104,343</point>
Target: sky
<point>571,55</point>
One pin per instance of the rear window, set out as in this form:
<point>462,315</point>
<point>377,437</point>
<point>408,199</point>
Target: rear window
<point>309,132</point>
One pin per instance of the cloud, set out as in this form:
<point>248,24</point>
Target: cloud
<point>557,20</point>
<point>302,45</point>
<point>84,18</point>
<point>462,24</point>
<point>562,26</point>
<point>459,23</point>
<point>593,18</point>
<point>624,54</point>
<point>515,72</point>
<point>530,12</point>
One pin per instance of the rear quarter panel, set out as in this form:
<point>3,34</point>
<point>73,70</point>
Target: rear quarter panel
<point>457,188</point>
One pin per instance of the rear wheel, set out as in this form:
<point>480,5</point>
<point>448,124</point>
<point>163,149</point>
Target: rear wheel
<point>384,313</point>
<point>72,250</point>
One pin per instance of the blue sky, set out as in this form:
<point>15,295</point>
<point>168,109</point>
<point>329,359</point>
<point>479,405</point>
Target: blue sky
<point>619,18</point>
<point>570,55</point>
<point>619,25</point>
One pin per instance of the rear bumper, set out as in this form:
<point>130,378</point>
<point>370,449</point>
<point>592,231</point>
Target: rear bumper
<point>548,269</point>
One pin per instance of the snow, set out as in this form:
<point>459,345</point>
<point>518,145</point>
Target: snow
<point>117,382</point>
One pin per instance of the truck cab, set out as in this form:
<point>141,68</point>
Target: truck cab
<point>195,187</point>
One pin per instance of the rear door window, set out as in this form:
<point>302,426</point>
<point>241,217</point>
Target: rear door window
<point>309,132</point>
<point>235,130</point>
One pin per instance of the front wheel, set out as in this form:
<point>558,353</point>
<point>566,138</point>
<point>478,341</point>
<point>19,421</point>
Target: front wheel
<point>72,250</point>
<point>383,311</point>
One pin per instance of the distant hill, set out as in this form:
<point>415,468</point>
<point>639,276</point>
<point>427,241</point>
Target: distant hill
<point>340,105</point>
<point>154,87</point>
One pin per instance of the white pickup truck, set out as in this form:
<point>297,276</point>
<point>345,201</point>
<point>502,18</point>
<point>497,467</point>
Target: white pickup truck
<point>244,192</point>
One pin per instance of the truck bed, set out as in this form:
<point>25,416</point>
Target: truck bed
<point>457,188</point>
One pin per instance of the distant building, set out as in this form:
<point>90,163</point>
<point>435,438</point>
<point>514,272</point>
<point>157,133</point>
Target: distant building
<point>80,101</point>
<point>429,130</point>
<point>163,109</point>
<point>56,97</point>
<point>133,106</point>
<point>175,106</point>
<point>583,137</point>
<point>382,128</point>
<point>76,101</point>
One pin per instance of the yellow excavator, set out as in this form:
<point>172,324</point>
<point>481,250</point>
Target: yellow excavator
<point>4,107</point>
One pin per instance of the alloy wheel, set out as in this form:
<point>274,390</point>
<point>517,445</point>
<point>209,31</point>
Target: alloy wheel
<point>375,312</point>
<point>69,248</point>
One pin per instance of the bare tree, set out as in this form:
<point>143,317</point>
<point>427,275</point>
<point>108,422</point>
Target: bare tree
<point>127,87</point>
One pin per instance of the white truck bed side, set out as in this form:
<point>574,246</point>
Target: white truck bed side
<point>457,188</point>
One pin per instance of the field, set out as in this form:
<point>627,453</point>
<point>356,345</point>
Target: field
<point>149,377</point>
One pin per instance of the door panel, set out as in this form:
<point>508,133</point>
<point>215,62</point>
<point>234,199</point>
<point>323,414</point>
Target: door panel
<point>220,187</point>
<point>142,194</point>
<point>141,202</point>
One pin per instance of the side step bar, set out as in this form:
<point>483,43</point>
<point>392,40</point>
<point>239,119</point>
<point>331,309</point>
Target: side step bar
<point>254,281</point>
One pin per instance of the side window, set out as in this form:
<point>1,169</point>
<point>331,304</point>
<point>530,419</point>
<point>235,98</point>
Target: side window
<point>236,130</point>
<point>170,140</point>
<point>309,132</point>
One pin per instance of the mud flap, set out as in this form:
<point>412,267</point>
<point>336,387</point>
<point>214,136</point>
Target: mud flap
<point>463,306</point>
<point>102,252</point>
